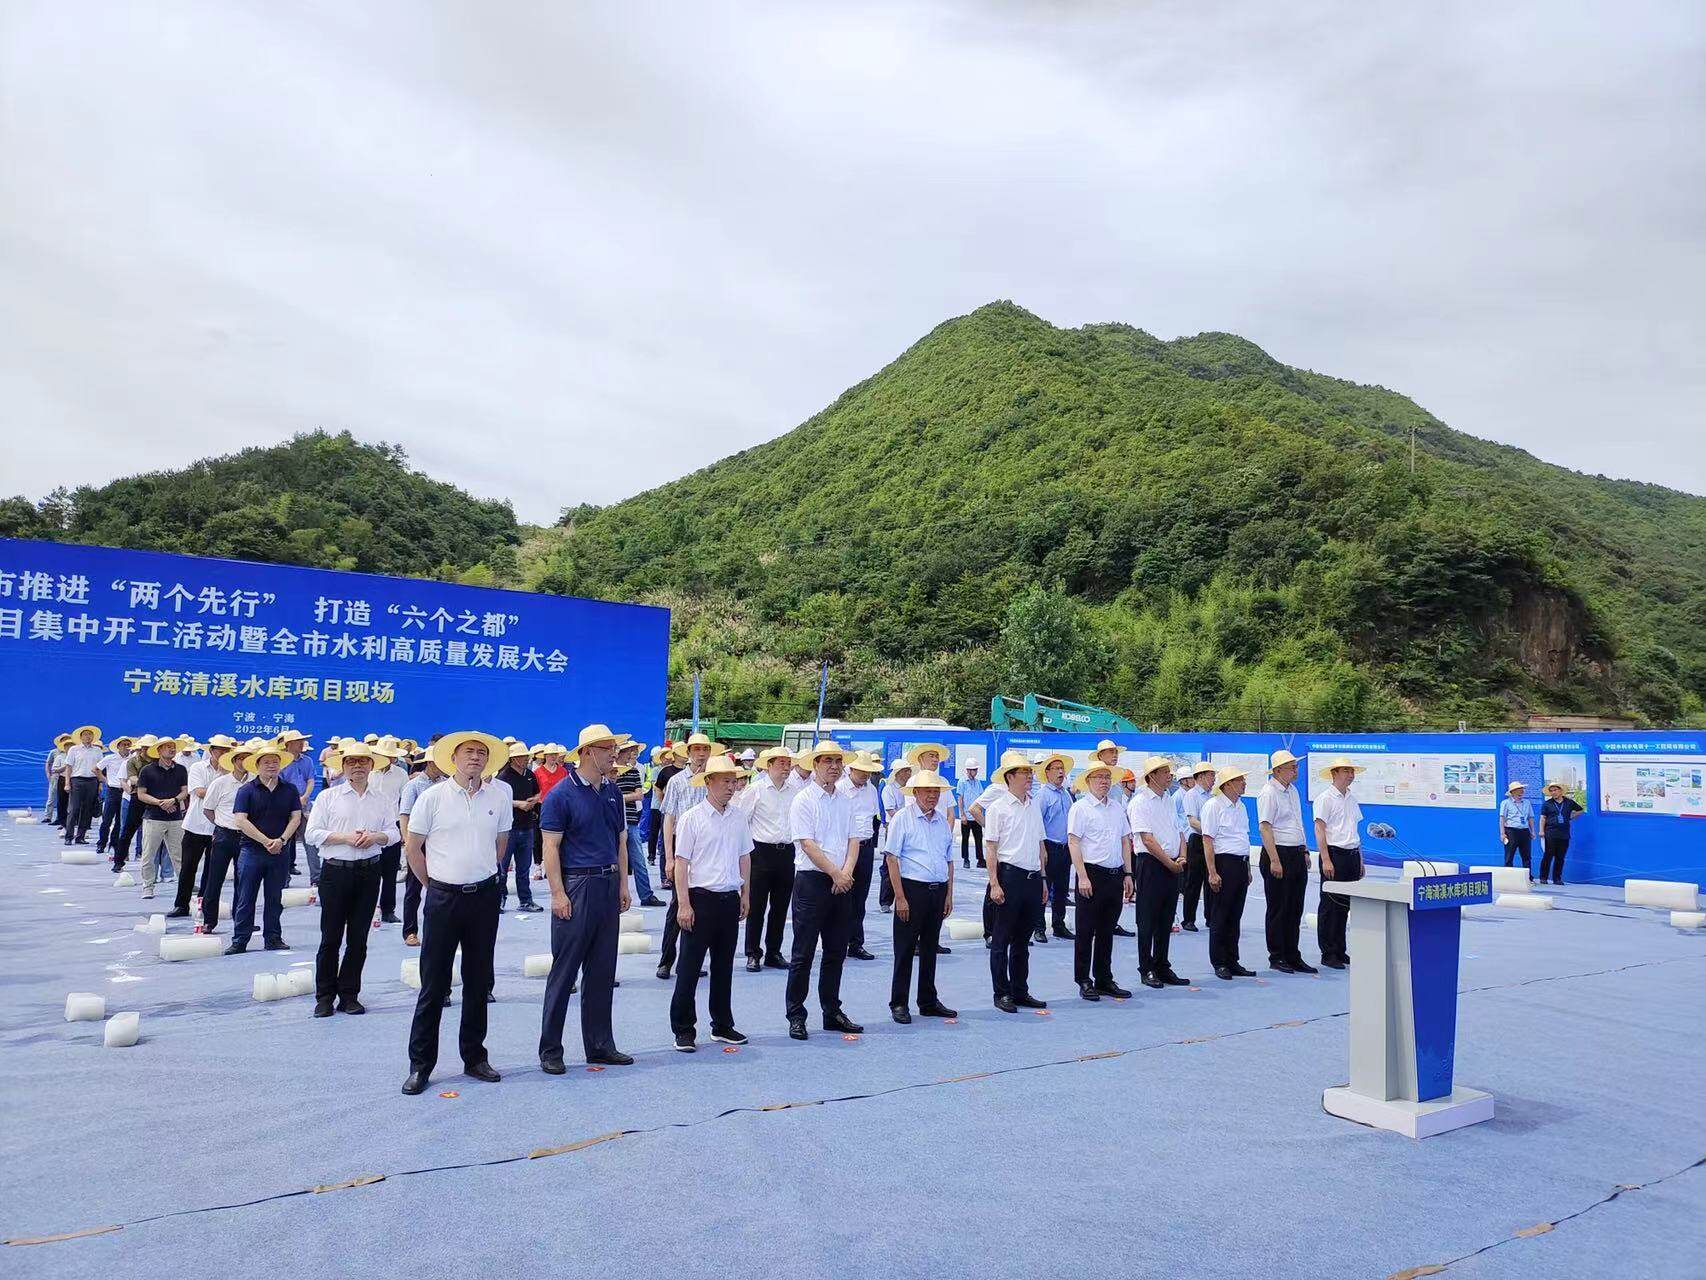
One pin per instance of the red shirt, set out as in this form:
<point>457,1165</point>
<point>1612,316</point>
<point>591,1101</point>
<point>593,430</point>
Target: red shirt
<point>549,778</point>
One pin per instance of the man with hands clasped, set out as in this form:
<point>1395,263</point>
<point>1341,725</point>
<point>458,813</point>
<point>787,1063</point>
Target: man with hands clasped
<point>350,825</point>
<point>713,867</point>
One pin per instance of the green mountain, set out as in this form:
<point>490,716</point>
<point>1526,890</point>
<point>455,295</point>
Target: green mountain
<point>322,500</point>
<point>1190,532</point>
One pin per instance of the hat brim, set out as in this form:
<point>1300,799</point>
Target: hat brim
<point>444,750</point>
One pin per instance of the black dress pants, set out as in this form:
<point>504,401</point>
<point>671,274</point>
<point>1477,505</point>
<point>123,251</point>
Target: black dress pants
<point>918,935</point>
<point>1333,910</point>
<point>970,833</point>
<point>1014,918</point>
<point>861,891</point>
<point>390,859</point>
<point>1226,909</point>
<point>1093,948</point>
<point>112,819</point>
<point>771,887</point>
<point>1059,882</point>
<point>454,916</point>
<point>715,932</point>
<point>1552,859</point>
<point>84,803</point>
<point>583,950</point>
<point>1157,896</point>
<point>412,902</point>
<point>1519,843</point>
<point>191,853</point>
<point>1196,875</point>
<point>1285,896</point>
<point>822,914</point>
<point>61,796</point>
<point>671,930</point>
<point>349,890</point>
<point>221,855</point>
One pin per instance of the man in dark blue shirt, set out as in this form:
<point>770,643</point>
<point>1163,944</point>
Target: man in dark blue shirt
<point>586,862</point>
<point>1555,817</point>
<point>268,810</point>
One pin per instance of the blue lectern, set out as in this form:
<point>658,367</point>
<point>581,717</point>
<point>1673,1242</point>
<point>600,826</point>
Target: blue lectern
<point>1403,938</point>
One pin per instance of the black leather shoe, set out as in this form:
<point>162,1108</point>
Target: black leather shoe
<point>1113,990</point>
<point>937,1011</point>
<point>1298,966</point>
<point>796,1028</point>
<point>1190,926</point>
<point>278,944</point>
<point>552,1066</point>
<point>775,960</point>
<point>663,972</point>
<point>653,901</point>
<point>1284,966</point>
<point>859,953</point>
<point>177,913</point>
<point>236,948</point>
<point>612,1058</point>
<point>1005,1004</point>
<point>1150,980</point>
<point>352,1006</point>
<point>900,1013</point>
<point>754,965</point>
<point>1120,931</point>
<point>391,919</point>
<point>1174,980</point>
<point>1061,931</point>
<point>1030,1002</point>
<point>842,1023</point>
<point>1239,971</point>
<point>1086,991</point>
<point>1332,964</point>
<point>1039,938</point>
<point>323,1008</point>
<point>944,951</point>
<point>685,1043</point>
<point>416,1083</point>
<point>1223,973</point>
<point>483,1071</point>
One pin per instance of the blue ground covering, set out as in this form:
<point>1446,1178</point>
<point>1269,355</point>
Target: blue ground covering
<point>1177,1134</point>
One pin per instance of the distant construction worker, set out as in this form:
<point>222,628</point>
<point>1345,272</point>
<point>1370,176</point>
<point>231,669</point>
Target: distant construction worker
<point>919,862</point>
<point>826,851</point>
<point>864,807</point>
<point>1158,854</point>
<point>1193,795</point>
<point>1338,823</point>
<point>1014,835</point>
<point>768,805</point>
<point>1285,863</point>
<point>1098,839</point>
<point>1226,854</point>
<point>1055,802</point>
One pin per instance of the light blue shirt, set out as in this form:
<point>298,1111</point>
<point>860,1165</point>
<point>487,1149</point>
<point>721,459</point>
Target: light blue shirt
<point>1518,814</point>
<point>412,789</point>
<point>1056,804</point>
<point>923,846</point>
<point>303,773</point>
<point>967,790</point>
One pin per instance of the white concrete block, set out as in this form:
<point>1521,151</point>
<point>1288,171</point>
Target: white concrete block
<point>1688,919</point>
<point>538,966</point>
<point>25,821</point>
<point>17,813</point>
<point>123,1030</point>
<point>1428,867</point>
<point>303,897</point>
<point>84,1006</point>
<point>1505,879</point>
<point>633,921</point>
<point>298,982</point>
<point>629,944</point>
<point>963,930</point>
<point>123,880</point>
<point>155,924</point>
<point>411,973</point>
<point>1678,895</point>
<point>1526,901</point>
<point>1309,920</point>
<point>191,946</point>
<point>265,986</point>
<point>79,857</point>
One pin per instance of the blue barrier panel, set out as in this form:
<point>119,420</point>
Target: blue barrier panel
<point>142,642</point>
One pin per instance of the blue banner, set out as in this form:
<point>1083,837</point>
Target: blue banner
<point>144,642</point>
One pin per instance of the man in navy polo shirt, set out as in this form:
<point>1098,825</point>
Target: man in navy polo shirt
<point>586,862</point>
<point>268,810</point>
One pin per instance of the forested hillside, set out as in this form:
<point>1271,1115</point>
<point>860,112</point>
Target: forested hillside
<point>1187,531</point>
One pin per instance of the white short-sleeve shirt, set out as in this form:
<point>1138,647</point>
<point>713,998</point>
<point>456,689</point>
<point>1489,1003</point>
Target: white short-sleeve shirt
<point>1101,827</point>
<point>461,829</point>
<point>823,816</point>
<point>1282,808</point>
<point>1228,824</point>
<point>1158,816</point>
<point>1016,828</point>
<point>1342,816</point>
<point>712,844</point>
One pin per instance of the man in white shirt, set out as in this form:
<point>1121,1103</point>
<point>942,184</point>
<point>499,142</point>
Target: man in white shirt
<point>712,869</point>
<point>1226,855</point>
<point>1193,795</point>
<point>56,797</point>
<point>1013,846</point>
<point>457,833</point>
<point>826,850</point>
<point>678,797</point>
<point>858,784</point>
<point>1158,849</point>
<point>218,806</point>
<point>1338,827</point>
<point>83,783</point>
<point>413,789</point>
<point>198,827</point>
<point>388,779</point>
<point>767,804</point>
<point>115,774</point>
<point>1098,840</point>
<point>349,825</point>
<point>1285,863</point>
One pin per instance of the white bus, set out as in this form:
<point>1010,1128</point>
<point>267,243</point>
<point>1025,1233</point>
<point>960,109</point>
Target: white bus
<point>796,737</point>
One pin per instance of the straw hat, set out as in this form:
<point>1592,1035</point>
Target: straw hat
<point>1556,786</point>
<point>926,780</point>
<point>221,740</point>
<point>291,735</point>
<point>1106,744</point>
<point>703,740</point>
<point>1201,767</point>
<point>370,738</point>
<point>802,759</point>
<point>64,740</point>
<point>1226,773</point>
<point>1044,761</point>
<point>904,766</point>
<point>1152,764</point>
<point>825,748</point>
<point>919,748</point>
<point>1339,762</point>
<point>625,743</point>
<point>594,735</point>
<point>144,744</point>
<point>444,750</point>
<point>154,747</point>
<point>518,748</point>
<point>1116,774</point>
<point>717,766</point>
<point>355,751</point>
<point>772,753</point>
<point>81,729</point>
<point>662,753</point>
<point>1515,787</point>
<point>252,755</point>
<point>124,739</point>
<point>1011,761</point>
<point>1281,757</point>
<point>865,762</point>
<point>238,756</point>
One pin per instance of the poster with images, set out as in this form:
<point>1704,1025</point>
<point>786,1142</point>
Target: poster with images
<point>1571,769</point>
<point>1668,786</point>
<point>1425,780</point>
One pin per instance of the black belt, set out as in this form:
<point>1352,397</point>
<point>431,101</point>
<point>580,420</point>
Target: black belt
<point>462,888</point>
<point>590,871</point>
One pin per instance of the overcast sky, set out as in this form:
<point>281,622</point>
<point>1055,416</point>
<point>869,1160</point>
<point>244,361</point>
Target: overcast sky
<point>563,252</point>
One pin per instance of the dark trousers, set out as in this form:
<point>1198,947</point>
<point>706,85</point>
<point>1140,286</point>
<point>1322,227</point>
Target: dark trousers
<point>81,808</point>
<point>1519,843</point>
<point>1157,896</point>
<point>918,935</point>
<point>220,855</point>
<point>391,858</point>
<point>1552,859</point>
<point>1226,909</point>
<point>583,950</point>
<point>1014,918</point>
<point>861,891</point>
<point>348,893</point>
<point>818,914</point>
<point>454,918</point>
<point>130,838</point>
<point>1196,876</point>
<point>1332,911</point>
<point>1093,950</point>
<point>60,797</point>
<point>715,931</point>
<point>970,833</point>
<point>1059,881</point>
<point>671,930</point>
<point>258,874</point>
<point>411,903</point>
<point>771,886</point>
<point>654,837</point>
<point>518,853</point>
<point>1284,896</point>
<point>191,853</point>
<point>112,819</point>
